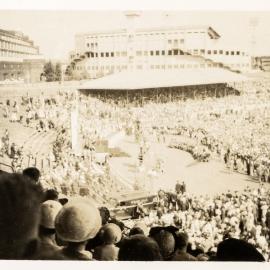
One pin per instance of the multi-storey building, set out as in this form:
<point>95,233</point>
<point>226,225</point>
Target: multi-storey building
<point>19,58</point>
<point>100,53</point>
<point>261,62</point>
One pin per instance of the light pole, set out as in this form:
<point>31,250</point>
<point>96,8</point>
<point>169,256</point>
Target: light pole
<point>131,31</point>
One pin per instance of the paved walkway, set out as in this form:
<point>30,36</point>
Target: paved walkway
<point>201,178</point>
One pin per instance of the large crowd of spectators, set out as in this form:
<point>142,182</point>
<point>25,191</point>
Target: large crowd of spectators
<point>230,227</point>
<point>178,227</point>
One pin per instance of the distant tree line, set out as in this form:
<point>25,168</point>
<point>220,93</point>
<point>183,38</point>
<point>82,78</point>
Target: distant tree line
<point>51,72</point>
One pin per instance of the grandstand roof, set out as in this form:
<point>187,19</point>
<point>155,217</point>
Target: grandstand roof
<point>210,30</point>
<point>146,79</point>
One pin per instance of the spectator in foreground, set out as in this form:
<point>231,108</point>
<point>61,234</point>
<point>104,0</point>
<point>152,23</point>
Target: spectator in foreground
<point>181,243</point>
<point>111,235</point>
<point>139,248</point>
<point>48,246</point>
<point>77,222</point>
<point>165,240</point>
<point>238,250</point>
<point>19,217</point>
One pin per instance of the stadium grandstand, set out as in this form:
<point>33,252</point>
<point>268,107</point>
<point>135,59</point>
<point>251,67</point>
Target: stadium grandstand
<point>20,60</point>
<point>168,83</point>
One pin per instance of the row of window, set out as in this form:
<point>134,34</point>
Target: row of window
<point>16,47</point>
<point>16,40</point>
<point>165,52</point>
<point>10,66</point>
<point>12,74</point>
<point>175,42</point>
<point>159,66</point>
<point>12,54</point>
<point>101,67</point>
<point>148,34</point>
<point>91,45</point>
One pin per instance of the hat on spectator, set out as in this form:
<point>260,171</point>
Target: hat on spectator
<point>49,211</point>
<point>111,233</point>
<point>51,194</point>
<point>33,173</point>
<point>78,221</point>
<point>238,250</point>
<point>63,199</point>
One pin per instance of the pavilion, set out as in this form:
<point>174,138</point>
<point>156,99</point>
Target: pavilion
<point>160,82</point>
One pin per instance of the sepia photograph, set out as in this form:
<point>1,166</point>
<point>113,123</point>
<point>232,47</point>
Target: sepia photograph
<point>135,135</point>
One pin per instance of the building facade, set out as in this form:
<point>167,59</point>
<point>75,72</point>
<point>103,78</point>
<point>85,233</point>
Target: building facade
<point>261,63</point>
<point>99,53</point>
<point>20,60</point>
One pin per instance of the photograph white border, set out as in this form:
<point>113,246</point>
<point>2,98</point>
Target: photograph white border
<point>181,5</point>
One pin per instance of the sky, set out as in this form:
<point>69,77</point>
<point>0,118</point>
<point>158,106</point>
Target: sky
<point>54,31</point>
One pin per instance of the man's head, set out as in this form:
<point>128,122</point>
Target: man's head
<point>181,241</point>
<point>165,241</point>
<point>32,173</point>
<point>136,231</point>
<point>51,194</point>
<point>19,216</point>
<point>139,248</point>
<point>111,233</point>
<point>49,211</point>
<point>78,221</point>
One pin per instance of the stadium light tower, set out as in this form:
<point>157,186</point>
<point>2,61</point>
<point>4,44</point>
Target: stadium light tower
<point>131,17</point>
<point>253,23</point>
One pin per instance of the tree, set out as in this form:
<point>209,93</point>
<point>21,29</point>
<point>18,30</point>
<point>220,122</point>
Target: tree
<point>68,72</point>
<point>58,72</point>
<point>49,72</point>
